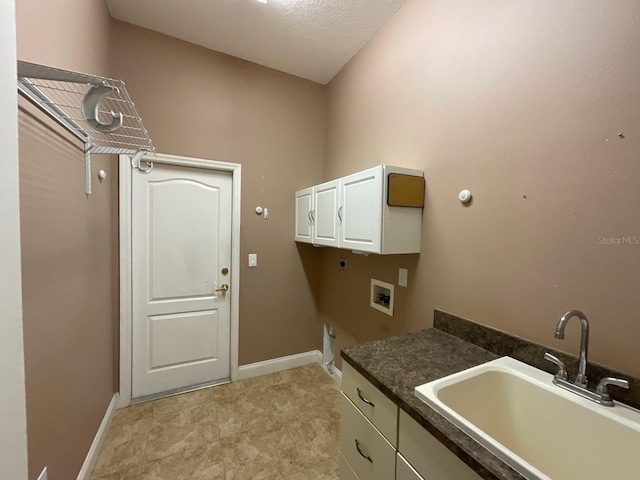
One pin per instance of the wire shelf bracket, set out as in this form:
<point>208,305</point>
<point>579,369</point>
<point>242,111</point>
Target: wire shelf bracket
<point>97,110</point>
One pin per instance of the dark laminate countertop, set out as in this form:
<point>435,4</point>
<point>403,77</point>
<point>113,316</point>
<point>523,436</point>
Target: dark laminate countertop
<point>397,365</point>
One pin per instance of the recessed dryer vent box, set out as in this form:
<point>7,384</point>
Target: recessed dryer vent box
<point>382,296</point>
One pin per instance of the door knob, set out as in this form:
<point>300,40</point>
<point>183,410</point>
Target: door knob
<point>223,288</point>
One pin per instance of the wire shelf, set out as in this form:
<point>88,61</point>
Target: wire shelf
<point>97,110</point>
<point>62,94</point>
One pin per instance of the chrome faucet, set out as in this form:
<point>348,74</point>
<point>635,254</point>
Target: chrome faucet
<point>581,379</point>
<point>579,386</point>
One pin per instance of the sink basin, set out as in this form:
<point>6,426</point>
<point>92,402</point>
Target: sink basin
<point>537,428</point>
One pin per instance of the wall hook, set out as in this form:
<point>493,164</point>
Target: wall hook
<point>90,106</point>
<point>137,158</point>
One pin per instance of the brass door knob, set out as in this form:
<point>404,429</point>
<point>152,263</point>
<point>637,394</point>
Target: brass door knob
<point>223,288</point>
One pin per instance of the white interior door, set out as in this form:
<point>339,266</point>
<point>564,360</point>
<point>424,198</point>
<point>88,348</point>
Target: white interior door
<point>181,260</point>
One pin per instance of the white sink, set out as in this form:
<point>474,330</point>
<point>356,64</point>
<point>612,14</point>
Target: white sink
<point>539,429</point>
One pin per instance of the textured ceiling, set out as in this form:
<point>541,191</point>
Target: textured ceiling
<point>312,39</point>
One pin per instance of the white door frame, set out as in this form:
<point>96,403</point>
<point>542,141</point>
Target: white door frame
<point>13,421</point>
<point>125,261</point>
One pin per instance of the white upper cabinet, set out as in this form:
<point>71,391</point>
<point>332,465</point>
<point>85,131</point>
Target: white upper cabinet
<point>360,211</point>
<point>326,203</point>
<point>304,215</point>
<point>353,212</point>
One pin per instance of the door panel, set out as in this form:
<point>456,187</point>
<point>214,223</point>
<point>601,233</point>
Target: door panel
<point>180,236</point>
<point>182,339</point>
<point>181,232</point>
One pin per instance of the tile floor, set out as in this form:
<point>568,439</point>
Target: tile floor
<point>279,426</point>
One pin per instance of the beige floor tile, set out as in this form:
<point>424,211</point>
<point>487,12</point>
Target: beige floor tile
<point>260,454</point>
<point>308,374</point>
<point>253,409</point>
<point>182,401</point>
<point>123,448</point>
<point>278,426</point>
<point>180,430</point>
<point>317,440</point>
<point>232,391</point>
<point>133,474</point>
<point>202,463</point>
<point>293,401</point>
<point>327,470</point>
<point>133,413</point>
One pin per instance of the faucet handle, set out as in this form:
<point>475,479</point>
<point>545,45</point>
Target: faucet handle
<point>602,386</point>
<point>562,371</point>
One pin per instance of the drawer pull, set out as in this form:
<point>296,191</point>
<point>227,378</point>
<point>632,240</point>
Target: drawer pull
<point>368,402</point>
<point>360,452</point>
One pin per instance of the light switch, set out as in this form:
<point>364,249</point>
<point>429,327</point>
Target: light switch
<point>253,259</point>
<point>403,275</point>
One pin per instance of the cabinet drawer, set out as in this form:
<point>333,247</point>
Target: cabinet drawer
<point>380,411</point>
<point>428,456</point>
<point>346,472</point>
<point>404,471</point>
<point>359,439</point>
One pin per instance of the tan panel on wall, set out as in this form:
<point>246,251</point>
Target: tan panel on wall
<point>405,191</point>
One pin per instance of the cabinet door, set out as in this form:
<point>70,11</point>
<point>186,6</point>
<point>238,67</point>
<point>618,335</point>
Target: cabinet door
<point>428,456</point>
<point>346,472</point>
<point>325,200</point>
<point>360,212</point>
<point>304,216</point>
<point>404,471</point>
<point>368,453</point>
<point>373,404</point>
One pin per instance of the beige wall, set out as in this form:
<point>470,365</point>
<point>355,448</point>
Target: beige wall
<point>203,104</point>
<point>69,251</point>
<point>70,285</point>
<point>508,99</point>
<point>68,34</point>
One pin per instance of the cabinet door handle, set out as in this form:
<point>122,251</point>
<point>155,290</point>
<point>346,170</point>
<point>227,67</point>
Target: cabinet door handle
<point>360,452</point>
<point>309,216</point>
<point>368,402</point>
<point>340,213</point>
<point>313,216</point>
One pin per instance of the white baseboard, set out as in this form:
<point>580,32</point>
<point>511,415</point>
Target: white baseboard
<point>285,363</point>
<point>92,456</point>
<point>277,364</point>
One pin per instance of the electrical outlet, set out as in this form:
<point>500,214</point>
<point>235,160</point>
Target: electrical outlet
<point>43,475</point>
<point>403,276</point>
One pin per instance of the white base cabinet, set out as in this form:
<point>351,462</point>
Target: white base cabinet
<point>380,442</point>
<point>404,471</point>
<point>373,404</point>
<point>346,472</point>
<point>427,455</point>
<point>353,213</point>
<point>366,450</point>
